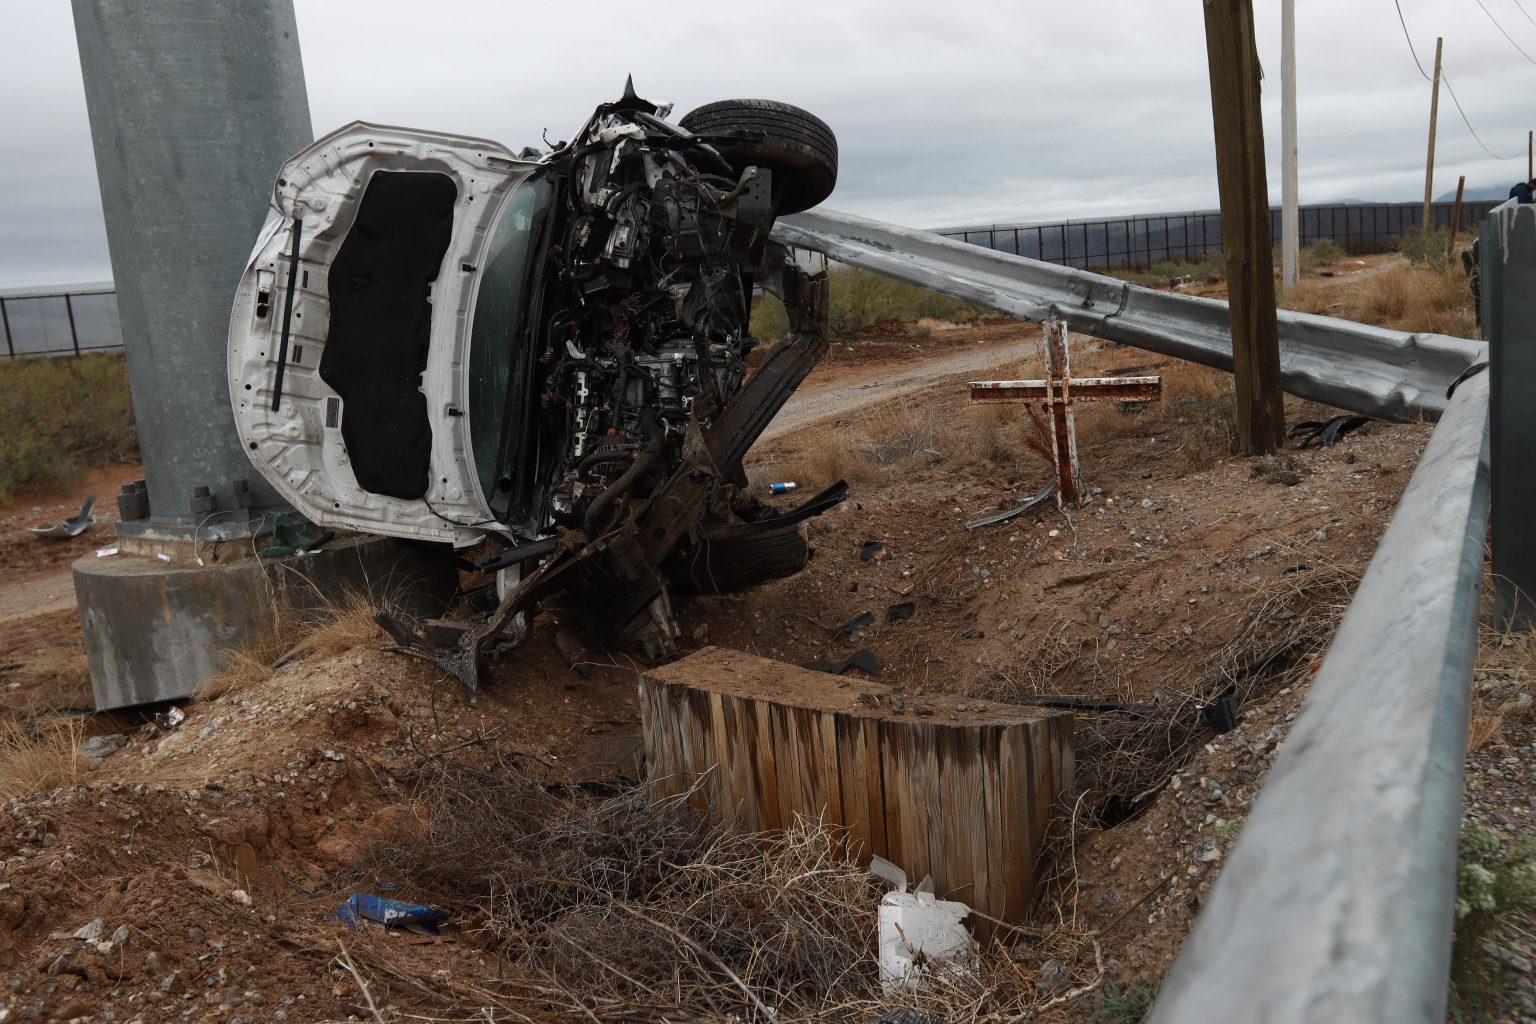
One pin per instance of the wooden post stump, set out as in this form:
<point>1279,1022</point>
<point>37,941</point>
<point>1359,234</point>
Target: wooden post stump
<point>960,789</point>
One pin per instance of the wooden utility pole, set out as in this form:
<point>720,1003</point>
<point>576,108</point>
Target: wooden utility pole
<point>1245,232</point>
<point>1434,111</point>
<point>1530,155</point>
<point>1450,245</point>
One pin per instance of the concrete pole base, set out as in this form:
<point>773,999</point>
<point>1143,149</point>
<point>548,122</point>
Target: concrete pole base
<point>157,631</point>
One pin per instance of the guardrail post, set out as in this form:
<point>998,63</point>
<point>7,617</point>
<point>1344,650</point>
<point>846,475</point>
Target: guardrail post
<point>5,316</point>
<point>74,335</point>
<point>1507,249</point>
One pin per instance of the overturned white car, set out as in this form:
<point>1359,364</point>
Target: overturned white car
<point>438,340</point>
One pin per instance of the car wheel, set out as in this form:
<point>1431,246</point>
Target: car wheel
<point>797,146</point>
<point>735,556</point>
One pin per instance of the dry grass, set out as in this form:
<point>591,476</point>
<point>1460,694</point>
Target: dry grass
<point>59,416</point>
<point>51,680</point>
<point>619,910</point>
<point>1504,680</point>
<point>40,754</point>
<point>1405,297</point>
<point>1122,759</point>
<point>895,437</point>
<point>335,627</point>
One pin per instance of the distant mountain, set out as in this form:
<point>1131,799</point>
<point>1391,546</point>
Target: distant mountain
<point>1474,194</point>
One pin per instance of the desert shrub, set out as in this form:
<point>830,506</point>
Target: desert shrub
<point>1494,888</point>
<point>58,417</point>
<point>858,299</point>
<point>1159,272</point>
<point>769,321</point>
<point>1321,253</point>
<point>1425,246</point>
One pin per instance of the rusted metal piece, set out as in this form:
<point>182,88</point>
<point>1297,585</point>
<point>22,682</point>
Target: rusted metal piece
<point>1056,394</point>
<point>1107,389</point>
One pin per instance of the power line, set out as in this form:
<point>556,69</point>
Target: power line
<point>1501,30</point>
<point>1523,11</point>
<point>1446,78</point>
<point>1408,37</point>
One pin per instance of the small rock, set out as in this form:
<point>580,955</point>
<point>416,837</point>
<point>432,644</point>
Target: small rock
<point>59,965</point>
<point>1320,535</point>
<point>91,932</point>
<point>331,755</point>
<point>241,897</point>
<point>171,981</point>
<point>122,936</point>
<point>1146,502</point>
<point>1210,850</point>
<point>99,747</point>
<point>196,937</point>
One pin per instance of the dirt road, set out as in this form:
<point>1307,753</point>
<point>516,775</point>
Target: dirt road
<point>847,389</point>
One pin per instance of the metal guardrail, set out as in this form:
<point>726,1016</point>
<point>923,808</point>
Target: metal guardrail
<point>1338,901</point>
<point>1370,370</point>
<point>1112,243</point>
<point>55,322</point>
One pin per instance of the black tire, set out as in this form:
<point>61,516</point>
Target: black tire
<point>798,147</point>
<point>736,556</point>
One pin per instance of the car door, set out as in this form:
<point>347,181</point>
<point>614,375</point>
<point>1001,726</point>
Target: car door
<point>349,367</point>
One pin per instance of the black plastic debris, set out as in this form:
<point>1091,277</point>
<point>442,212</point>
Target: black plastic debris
<point>966,634</point>
<point>859,621</point>
<point>862,659</point>
<point>1222,715</point>
<point>870,549</point>
<point>1083,704</point>
<point>898,612</point>
<point>1291,570</point>
<point>1326,433</point>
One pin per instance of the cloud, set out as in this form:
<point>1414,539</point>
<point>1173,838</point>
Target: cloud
<point>959,113</point>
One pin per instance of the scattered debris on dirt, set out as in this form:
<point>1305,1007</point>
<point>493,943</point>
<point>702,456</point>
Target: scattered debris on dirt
<point>190,868</point>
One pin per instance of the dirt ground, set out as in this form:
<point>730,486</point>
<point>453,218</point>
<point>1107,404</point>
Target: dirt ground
<point>193,874</point>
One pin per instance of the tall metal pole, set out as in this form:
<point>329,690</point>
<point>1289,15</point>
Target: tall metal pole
<point>1434,110</point>
<point>1288,197</point>
<point>193,107</point>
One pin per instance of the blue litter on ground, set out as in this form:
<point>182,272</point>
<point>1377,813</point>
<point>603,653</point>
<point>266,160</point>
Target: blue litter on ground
<point>390,913</point>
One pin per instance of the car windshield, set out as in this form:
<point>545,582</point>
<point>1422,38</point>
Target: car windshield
<point>497,349</point>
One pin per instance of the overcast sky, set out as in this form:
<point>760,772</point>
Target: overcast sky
<point>947,113</point>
